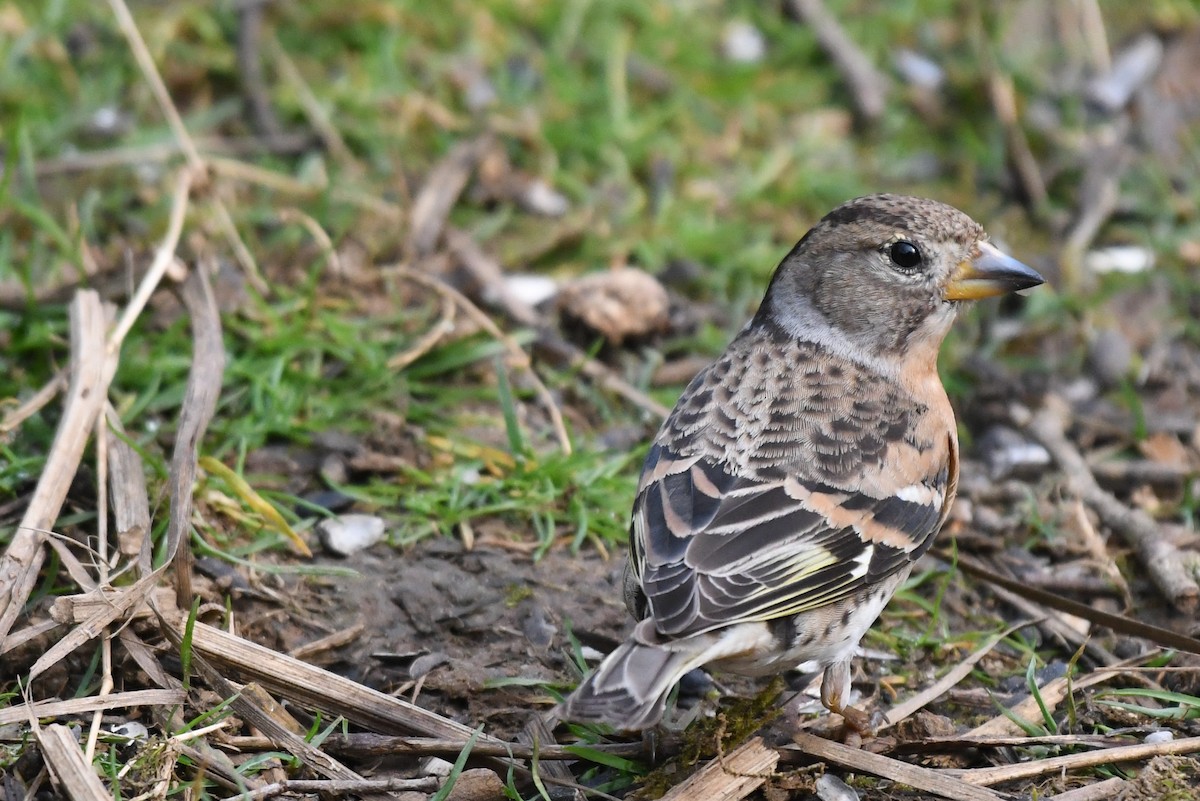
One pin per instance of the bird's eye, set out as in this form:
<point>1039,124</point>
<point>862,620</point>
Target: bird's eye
<point>905,255</point>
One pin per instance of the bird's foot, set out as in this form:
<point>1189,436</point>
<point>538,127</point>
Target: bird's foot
<point>859,724</point>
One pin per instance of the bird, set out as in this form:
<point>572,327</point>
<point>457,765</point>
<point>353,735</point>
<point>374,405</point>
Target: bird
<point>801,475</point>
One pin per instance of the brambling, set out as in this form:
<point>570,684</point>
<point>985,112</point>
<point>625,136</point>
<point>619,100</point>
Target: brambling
<point>801,475</point>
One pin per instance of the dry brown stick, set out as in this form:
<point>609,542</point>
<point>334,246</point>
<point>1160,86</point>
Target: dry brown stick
<point>1004,103</point>
<point>163,98</point>
<point>1087,759</point>
<point>317,116</point>
<point>1097,791</point>
<point>441,190</point>
<point>319,234</point>
<point>729,777</point>
<point>1160,559</point>
<point>81,706</point>
<point>1121,624</point>
<point>278,182</point>
<point>210,147</point>
<point>90,372</point>
<point>253,714</point>
<point>363,745</point>
<point>538,736</point>
<point>867,85</point>
<point>930,781</point>
<point>429,340</point>
<point>145,62</point>
<point>12,421</point>
<point>307,684</point>
<point>329,788</point>
<point>74,775</point>
<point>953,743</point>
<point>164,257</point>
<point>130,501</point>
<point>102,577</point>
<point>199,404</point>
<point>250,68</point>
<point>515,351</point>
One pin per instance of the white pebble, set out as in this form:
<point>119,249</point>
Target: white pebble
<point>742,43</point>
<point>831,788</point>
<point>1119,259</point>
<point>348,534</point>
<point>1160,736</point>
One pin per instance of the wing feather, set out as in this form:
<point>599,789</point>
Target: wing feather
<point>714,548</point>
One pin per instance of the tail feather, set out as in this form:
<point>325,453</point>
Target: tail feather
<point>629,690</point>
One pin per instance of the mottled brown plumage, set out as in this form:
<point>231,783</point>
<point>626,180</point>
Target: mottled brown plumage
<point>801,475</point>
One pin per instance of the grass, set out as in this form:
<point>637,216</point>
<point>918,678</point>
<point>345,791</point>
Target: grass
<point>666,150</point>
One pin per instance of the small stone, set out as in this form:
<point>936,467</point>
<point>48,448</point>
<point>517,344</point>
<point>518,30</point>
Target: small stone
<point>436,766</point>
<point>477,784</point>
<point>348,534</point>
<point>918,69</point>
<point>743,43</point>
<point>532,290</point>
<point>831,788</point>
<point>1110,355</point>
<point>538,197</point>
<point>1007,453</point>
<point>1119,259</point>
<point>1160,736</point>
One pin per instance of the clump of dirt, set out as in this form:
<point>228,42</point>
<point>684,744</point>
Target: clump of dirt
<point>1165,778</point>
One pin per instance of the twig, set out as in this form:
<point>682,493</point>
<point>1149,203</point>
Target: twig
<point>1004,103</point>
<point>106,680</point>
<point>1161,559</point>
<point>164,257</point>
<point>75,776</point>
<point>931,781</point>
<point>278,182</point>
<point>90,372</point>
<point>730,777</point>
<point>319,234</point>
<point>146,63</point>
<point>250,69</point>
<point>441,190</point>
<point>515,351</point>
<point>868,86</point>
<point>335,788</point>
<point>81,706</point>
<point>1097,791</point>
<point>429,340</point>
<point>487,272</point>
<point>317,116</point>
<point>199,404</point>
<point>12,421</point>
<point>1087,759</point>
<point>237,244</point>
<point>1122,624</point>
<point>159,89</point>
<point>366,745</point>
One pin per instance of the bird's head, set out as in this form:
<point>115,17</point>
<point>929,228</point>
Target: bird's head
<point>889,272</point>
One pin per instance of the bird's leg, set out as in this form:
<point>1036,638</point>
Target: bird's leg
<point>835,690</point>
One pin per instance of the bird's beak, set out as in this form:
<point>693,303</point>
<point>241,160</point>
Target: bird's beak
<point>989,273</point>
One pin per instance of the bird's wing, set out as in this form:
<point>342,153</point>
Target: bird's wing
<point>713,548</point>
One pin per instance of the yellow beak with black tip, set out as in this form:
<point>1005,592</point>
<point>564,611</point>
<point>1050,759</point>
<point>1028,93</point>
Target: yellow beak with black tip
<point>988,274</point>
